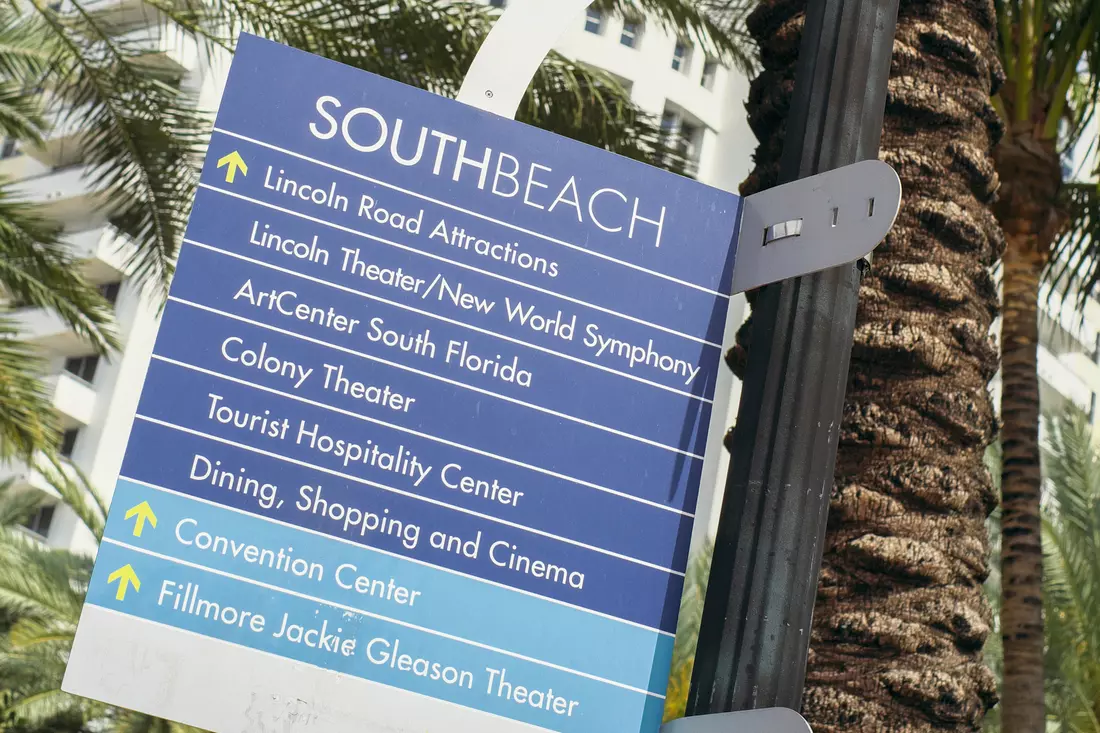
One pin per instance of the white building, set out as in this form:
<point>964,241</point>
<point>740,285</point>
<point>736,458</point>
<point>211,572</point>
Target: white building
<point>95,397</point>
<point>670,77</point>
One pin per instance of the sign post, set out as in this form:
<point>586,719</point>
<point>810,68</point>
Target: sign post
<point>755,631</point>
<point>420,442</point>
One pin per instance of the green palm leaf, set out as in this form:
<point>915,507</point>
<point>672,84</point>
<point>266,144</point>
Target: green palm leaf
<point>27,419</point>
<point>37,270</point>
<point>1071,589</point>
<point>42,590</point>
<point>1074,262</point>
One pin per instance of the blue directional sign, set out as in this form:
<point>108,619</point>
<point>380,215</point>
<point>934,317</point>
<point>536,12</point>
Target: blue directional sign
<point>422,435</point>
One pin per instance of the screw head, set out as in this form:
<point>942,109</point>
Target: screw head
<point>489,93</point>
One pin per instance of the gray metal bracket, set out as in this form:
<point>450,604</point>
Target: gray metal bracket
<point>815,223</point>
<point>771,720</point>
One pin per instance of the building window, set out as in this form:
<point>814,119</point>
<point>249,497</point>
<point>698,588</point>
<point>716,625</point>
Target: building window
<point>632,33</point>
<point>83,367</point>
<point>681,57</point>
<point>109,291</point>
<point>10,148</point>
<point>710,73</point>
<point>68,442</point>
<point>691,135</point>
<point>593,21</point>
<point>669,121</point>
<point>41,521</point>
<point>498,3</point>
<point>684,137</point>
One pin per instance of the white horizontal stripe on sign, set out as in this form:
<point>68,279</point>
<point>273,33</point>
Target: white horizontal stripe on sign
<point>456,263</point>
<point>379,617</point>
<point>426,436</point>
<point>394,555</point>
<point>453,207</point>
<point>408,494</point>
<point>453,322</point>
<point>538,408</point>
<point>287,694</point>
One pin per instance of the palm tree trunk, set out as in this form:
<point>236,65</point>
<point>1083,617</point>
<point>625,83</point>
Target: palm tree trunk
<point>1028,210</point>
<point>1021,479</point>
<point>901,618</point>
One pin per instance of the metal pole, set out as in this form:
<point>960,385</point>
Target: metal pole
<point>755,630</point>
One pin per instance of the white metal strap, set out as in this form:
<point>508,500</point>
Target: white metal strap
<point>510,56</point>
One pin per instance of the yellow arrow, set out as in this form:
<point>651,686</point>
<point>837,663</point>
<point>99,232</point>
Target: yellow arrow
<point>125,577</point>
<point>144,513</point>
<point>235,163</point>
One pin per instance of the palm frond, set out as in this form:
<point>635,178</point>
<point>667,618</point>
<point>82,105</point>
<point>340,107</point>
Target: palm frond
<point>687,630</point>
<point>1074,263</point>
<point>38,271</point>
<point>43,590</point>
<point>23,53</point>
<point>717,25</point>
<point>20,113</point>
<point>587,104</point>
<point>128,721</point>
<point>77,492</point>
<point>39,583</point>
<point>1050,52</point>
<point>1071,566</point>
<point>140,128</point>
<point>27,419</point>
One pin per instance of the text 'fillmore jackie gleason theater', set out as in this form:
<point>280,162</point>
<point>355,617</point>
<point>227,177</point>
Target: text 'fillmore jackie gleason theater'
<point>421,438</point>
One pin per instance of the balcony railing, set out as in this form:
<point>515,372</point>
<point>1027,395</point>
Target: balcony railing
<point>62,144</point>
<point>45,328</point>
<point>62,192</point>
<point>1061,378</point>
<point>73,398</point>
<point>167,46</point>
<point>103,250</point>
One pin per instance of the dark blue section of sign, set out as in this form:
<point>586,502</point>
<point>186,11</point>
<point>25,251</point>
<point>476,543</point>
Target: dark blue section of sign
<point>700,222</point>
<point>491,303</point>
<point>660,421</point>
<point>559,269</point>
<point>165,456</point>
<point>550,504</point>
<point>505,429</point>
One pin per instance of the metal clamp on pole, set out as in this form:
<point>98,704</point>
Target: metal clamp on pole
<point>770,720</point>
<point>815,223</point>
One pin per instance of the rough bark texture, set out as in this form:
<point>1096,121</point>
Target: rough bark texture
<point>1027,209</point>
<point>1021,553</point>
<point>900,618</point>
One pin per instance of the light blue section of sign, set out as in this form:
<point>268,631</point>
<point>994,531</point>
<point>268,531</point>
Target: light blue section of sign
<point>448,602</point>
<point>181,596</point>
